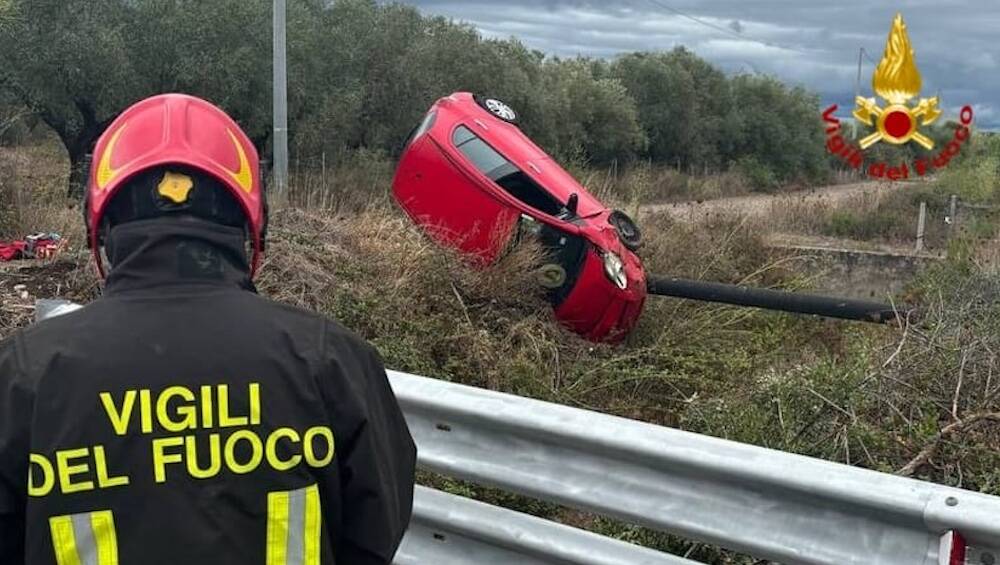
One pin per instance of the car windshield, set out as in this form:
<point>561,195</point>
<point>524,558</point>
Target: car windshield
<point>501,171</point>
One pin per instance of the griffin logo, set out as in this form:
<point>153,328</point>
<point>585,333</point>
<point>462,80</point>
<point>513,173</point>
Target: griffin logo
<point>175,187</point>
<point>896,80</point>
<point>105,174</point>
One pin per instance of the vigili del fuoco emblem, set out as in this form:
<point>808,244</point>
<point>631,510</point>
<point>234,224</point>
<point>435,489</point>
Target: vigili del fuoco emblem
<point>897,80</point>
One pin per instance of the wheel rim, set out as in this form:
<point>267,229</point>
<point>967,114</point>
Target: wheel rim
<point>500,110</point>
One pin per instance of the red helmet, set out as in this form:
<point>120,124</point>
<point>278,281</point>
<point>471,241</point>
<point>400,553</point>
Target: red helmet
<point>176,129</point>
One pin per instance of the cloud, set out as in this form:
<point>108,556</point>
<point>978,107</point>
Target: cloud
<point>812,44</point>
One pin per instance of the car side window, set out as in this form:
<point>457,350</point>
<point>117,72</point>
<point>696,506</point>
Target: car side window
<point>504,173</point>
<point>484,157</point>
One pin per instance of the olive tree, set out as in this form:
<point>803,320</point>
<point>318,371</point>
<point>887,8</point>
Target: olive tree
<point>68,61</point>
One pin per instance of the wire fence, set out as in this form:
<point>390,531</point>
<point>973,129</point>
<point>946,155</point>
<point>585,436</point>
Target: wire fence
<point>342,182</point>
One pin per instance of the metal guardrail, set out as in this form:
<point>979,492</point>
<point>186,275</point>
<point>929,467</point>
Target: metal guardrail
<point>452,530</point>
<point>765,503</point>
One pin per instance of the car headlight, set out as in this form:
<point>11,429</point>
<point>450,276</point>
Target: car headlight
<point>614,268</point>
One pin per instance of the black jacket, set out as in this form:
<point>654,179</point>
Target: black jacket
<point>183,419</point>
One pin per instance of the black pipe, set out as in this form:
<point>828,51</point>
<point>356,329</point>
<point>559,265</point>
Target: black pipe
<point>829,306</point>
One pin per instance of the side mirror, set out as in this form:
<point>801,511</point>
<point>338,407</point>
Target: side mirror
<point>573,203</point>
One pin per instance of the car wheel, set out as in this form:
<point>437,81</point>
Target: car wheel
<point>628,231</point>
<point>498,109</point>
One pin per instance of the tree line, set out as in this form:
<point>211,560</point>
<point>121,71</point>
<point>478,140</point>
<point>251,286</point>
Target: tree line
<point>361,74</point>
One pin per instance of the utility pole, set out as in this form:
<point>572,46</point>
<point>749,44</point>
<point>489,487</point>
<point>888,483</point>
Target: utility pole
<point>280,141</point>
<point>857,92</point>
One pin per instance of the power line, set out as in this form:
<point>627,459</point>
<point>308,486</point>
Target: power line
<point>723,29</point>
<point>695,19</point>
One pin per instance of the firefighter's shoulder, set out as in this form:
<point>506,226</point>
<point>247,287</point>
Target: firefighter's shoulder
<point>26,345</point>
<point>335,337</point>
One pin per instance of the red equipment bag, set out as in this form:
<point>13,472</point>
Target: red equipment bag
<point>12,250</point>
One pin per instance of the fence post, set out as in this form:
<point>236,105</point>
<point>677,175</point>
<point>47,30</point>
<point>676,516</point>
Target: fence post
<point>921,224</point>
<point>953,214</point>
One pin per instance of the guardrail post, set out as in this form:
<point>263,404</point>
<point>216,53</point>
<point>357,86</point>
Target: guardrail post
<point>921,225</point>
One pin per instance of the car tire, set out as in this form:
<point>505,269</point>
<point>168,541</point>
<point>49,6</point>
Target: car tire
<point>498,109</point>
<point>627,229</point>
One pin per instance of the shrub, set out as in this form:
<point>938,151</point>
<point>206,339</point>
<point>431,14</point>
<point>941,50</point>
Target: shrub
<point>759,175</point>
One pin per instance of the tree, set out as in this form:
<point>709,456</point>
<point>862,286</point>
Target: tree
<point>68,62</point>
<point>779,128</point>
<point>585,116</point>
<point>683,104</point>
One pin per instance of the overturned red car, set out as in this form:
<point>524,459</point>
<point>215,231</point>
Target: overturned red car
<point>475,182</point>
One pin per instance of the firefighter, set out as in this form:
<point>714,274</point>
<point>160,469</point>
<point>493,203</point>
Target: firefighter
<point>182,418</point>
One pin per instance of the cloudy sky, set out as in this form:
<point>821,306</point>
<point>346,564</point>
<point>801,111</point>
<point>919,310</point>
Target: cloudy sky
<point>810,42</point>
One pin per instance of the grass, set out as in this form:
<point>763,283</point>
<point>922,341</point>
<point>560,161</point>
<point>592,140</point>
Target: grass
<point>886,218</point>
<point>919,399</point>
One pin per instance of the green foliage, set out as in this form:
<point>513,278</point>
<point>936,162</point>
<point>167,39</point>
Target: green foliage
<point>694,116</point>
<point>15,120</point>
<point>761,177</point>
<point>669,103</point>
<point>976,180</point>
<point>382,66</point>
<point>778,126</point>
<point>361,74</point>
<point>69,62</point>
<point>581,114</point>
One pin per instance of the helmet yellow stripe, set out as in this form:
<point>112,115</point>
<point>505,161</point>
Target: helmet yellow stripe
<point>105,174</point>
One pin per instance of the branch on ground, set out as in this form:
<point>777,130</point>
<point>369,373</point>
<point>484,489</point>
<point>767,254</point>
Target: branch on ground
<point>958,427</point>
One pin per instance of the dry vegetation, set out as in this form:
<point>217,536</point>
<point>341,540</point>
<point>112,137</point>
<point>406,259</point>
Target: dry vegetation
<point>920,399</point>
<point>648,183</point>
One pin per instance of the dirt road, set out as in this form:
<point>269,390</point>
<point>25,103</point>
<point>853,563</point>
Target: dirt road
<point>762,204</point>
